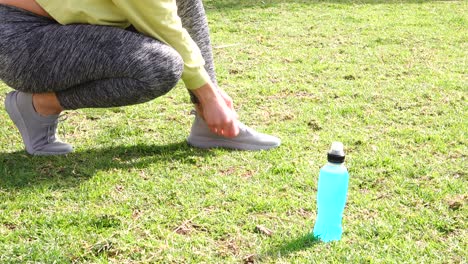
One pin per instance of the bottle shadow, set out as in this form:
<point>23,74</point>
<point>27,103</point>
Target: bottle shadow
<point>286,248</point>
<point>21,170</point>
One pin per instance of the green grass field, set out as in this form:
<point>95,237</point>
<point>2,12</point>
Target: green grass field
<point>387,78</point>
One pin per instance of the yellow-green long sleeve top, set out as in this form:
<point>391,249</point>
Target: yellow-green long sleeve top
<point>155,18</point>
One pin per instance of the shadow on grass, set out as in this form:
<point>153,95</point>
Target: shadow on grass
<point>220,5</point>
<point>286,248</point>
<point>20,170</point>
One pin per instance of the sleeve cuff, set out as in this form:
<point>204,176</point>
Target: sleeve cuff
<point>195,78</point>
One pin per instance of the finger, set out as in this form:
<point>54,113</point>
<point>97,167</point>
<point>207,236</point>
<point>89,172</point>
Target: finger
<point>227,99</point>
<point>236,129</point>
<point>213,129</point>
<point>230,104</point>
<point>220,131</point>
<point>231,130</point>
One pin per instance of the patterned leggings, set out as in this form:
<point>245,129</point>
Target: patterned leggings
<point>94,66</point>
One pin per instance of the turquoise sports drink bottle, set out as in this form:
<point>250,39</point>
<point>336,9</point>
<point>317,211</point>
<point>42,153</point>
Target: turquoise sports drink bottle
<point>331,195</point>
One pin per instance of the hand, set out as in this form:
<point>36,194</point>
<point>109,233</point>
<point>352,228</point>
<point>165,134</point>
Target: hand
<point>216,108</point>
<point>228,101</point>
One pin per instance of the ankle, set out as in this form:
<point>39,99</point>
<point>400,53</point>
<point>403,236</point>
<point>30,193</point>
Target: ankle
<point>199,110</point>
<point>46,104</point>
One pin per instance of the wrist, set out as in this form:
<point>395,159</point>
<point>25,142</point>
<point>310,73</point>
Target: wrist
<point>206,93</point>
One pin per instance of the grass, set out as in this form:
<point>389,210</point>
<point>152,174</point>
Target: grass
<point>387,78</point>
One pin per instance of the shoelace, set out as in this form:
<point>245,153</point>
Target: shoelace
<point>52,128</point>
<point>245,129</point>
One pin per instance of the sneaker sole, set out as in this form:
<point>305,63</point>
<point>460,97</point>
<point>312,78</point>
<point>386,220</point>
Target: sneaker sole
<point>207,143</point>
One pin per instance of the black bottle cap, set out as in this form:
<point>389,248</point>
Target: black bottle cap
<point>333,158</point>
<point>336,153</point>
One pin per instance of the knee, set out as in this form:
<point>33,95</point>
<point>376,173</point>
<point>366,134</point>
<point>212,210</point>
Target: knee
<point>163,71</point>
<point>172,69</point>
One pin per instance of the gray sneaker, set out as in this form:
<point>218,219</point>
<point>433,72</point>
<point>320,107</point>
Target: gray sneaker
<point>248,139</point>
<point>38,132</point>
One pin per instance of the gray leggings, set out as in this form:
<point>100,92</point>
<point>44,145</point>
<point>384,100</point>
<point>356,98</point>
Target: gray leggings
<point>94,66</point>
